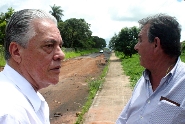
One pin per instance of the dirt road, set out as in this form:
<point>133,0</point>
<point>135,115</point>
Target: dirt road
<point>113,96</point>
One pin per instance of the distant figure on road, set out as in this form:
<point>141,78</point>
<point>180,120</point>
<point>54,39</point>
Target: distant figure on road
<point>159,95</point>
<point>33,55</point>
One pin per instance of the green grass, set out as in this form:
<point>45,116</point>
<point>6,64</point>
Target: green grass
<point>73,54</point>
<point>94,86</point>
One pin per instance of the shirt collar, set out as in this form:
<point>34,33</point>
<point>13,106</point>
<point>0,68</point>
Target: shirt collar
<point>146,74</point>
<point>24,86</point>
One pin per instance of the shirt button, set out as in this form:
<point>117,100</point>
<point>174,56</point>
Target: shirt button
<point>141,117</point>
<point>148,101</point>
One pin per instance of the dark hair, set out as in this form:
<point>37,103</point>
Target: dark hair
<point>20,28</point>
<point>167,29</point>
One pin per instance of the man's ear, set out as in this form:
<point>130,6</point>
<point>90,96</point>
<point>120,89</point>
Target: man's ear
<point>14,50</point>
<point>157,42</point>
<point>157,45</point>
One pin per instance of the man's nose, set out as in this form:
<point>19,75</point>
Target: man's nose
<point>59,55</point>
<point>136,47</point>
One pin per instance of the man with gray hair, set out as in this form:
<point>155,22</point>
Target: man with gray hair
<point>159,95</point>
<point>33,60</point>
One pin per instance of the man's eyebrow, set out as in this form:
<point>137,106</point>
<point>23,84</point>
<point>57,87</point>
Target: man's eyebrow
<point>53,41</point>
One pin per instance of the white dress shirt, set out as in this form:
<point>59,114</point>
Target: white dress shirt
<point>165,105</point>
<point>20,103</point>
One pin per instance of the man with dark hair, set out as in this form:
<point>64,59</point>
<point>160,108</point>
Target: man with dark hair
<point>159,95</point>
<point>33,60</point>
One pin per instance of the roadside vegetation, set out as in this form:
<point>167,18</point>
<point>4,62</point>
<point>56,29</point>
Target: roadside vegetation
<point>72,54</point>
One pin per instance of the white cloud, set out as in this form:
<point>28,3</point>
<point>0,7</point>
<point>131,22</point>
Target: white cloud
<point>106,17</point>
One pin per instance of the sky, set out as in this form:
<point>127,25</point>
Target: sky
<point>107,17</point>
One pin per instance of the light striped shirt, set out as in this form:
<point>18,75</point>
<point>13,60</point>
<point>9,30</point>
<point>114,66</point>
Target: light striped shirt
<point>166,105</point>
<point>20,103</point>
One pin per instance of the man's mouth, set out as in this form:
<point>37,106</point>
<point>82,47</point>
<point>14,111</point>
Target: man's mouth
<point>56,69</point>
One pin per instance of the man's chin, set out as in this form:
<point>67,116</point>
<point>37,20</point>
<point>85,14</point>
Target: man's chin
<point>44,85</point>
<point>48,84</point>
<point>54,82</point>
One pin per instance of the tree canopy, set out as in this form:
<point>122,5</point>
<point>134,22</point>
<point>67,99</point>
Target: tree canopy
<point>57,12</point>
<point>76,33</point>
<point>125,41</point>
<point>4,17</point>
<point>98,42</point>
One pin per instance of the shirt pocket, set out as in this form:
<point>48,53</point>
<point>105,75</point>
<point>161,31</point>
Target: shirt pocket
<point>166,113</point>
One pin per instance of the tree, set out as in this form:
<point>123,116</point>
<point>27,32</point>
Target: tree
<point>76,33</point>
<point>125,41</point>
<point>57,12</point>
<point>98,42</point>
<point>4,17</point>
<point>112,42</point>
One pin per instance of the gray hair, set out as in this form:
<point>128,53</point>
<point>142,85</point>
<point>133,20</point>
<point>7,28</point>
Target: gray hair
<point>20,28</point>
<point>167,29</point>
